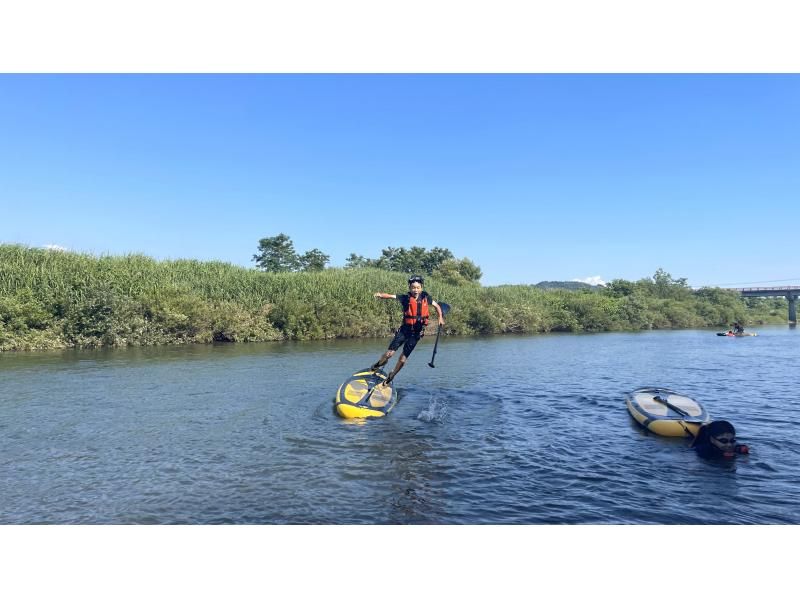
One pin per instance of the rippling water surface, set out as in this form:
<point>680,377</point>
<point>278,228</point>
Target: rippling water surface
<point>507,429</point>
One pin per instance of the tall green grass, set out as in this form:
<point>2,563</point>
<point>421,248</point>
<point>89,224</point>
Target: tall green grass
<point>53,299</point>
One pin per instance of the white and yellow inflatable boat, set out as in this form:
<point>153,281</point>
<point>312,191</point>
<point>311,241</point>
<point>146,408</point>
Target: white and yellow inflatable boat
<point>666,412</point>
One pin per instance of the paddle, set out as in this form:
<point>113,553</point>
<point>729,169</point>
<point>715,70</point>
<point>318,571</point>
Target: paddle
<point>678,410</point>
<point>445,309</point>
<point>675,408</point>
<point>365,399</point>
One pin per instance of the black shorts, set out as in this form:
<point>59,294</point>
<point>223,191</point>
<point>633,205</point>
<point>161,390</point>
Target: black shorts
<point>406,336</point>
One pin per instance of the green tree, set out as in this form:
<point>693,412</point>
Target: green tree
<point>469,269</point>
<point>416,260</point>
<point>391,259</point>
<point>434,258</point>
<point>356,261</point>
<point>276,254</point>
<point>668,287</point>
<point>313,261</point>
<point>620,288</point>
<point>459,272</point>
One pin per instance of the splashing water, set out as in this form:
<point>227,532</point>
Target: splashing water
<point>436,410</point>
<point>240,433</point>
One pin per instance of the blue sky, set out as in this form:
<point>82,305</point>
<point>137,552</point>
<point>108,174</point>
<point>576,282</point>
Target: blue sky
<point>533,177</point>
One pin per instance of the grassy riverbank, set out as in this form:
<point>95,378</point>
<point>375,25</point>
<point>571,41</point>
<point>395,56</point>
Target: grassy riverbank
<point>54,299</point>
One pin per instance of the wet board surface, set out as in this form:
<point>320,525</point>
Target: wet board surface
<point>363,395</point>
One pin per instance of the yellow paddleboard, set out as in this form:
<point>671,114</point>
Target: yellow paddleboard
<point>363,395</point>
<point>666,412</point>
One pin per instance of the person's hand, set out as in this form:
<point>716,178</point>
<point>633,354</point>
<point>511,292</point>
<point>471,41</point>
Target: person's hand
<point>441,322</point>
<point>377,295</point>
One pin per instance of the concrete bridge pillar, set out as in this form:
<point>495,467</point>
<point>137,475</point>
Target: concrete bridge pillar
<point>792,308</point>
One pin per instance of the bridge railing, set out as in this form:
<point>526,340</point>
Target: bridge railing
<point>741,289</point>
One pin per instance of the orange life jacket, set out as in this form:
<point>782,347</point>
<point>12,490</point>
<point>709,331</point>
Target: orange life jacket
<point>417,311</point>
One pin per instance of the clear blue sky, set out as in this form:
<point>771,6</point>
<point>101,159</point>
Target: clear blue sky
<point>533,177</point>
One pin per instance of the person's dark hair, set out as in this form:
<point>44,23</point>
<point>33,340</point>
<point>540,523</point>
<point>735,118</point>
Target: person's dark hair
<point>714,428</point>
<point>415,278</point>
<point>720,426</point>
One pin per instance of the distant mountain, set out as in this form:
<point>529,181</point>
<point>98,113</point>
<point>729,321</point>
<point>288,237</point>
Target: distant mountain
<point>570,285</point>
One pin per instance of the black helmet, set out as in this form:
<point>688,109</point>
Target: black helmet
<point>415,278</point>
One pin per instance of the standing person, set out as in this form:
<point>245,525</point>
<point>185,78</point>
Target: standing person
<point>416,308</point>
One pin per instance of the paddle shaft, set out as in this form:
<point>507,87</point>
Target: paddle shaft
<point>676,409</point>
<point>679,411</point>
<point>366,397</point>
<point>445,308</point>
<point>435,346</point>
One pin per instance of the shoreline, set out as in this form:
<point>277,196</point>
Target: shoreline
<point>58,300</point>
<point>90,349</point>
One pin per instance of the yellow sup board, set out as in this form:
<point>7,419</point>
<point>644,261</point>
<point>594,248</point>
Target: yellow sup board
<point>666,412</point>
<point>363,395</point>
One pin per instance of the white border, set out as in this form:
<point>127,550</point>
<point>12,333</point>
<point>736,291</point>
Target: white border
<point>388,561</point>
<point>409,36</point>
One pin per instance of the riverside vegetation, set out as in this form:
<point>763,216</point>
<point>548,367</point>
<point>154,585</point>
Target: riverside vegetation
<point>54,299</point>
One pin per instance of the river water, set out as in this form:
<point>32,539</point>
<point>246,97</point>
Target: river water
<point>505,430</point>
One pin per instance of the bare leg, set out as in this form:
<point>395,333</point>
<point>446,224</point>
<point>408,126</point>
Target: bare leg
<point>399,366</point>
<point>382,361</point>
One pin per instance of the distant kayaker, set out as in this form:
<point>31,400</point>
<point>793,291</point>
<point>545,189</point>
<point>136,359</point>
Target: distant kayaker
<point>415,317</point>
<point>717,440</point>
<point>737,328</point>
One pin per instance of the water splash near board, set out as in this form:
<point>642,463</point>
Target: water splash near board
<point>436,410</point>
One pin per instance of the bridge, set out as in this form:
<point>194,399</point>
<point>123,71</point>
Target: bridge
<point>791,294</point>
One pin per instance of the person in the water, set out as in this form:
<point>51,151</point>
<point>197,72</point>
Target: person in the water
<point>717,440</point>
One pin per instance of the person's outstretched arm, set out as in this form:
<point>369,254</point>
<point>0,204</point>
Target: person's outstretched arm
<point>439,311</point>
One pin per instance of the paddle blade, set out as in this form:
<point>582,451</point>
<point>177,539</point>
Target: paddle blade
<point>445,308</point>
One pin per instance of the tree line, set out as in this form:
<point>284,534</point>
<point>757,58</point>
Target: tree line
<point>52,299</point>
<point>277,254</point>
